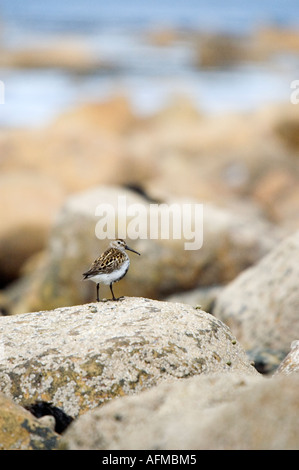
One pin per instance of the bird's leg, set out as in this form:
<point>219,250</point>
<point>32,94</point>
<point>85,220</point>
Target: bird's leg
<point>98,294</point>
<point>113,297</point>
<point>112,292</point>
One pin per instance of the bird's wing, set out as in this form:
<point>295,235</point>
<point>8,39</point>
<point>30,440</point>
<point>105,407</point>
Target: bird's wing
<point>107,262</point>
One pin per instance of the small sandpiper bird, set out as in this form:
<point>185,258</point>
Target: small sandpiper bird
<point>111,266</point>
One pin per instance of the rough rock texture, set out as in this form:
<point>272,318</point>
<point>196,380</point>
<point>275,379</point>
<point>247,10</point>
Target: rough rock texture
<point>79,357</point>
<point>290,363</point>
<point>218,411</point>
<point>231,243</point>
<point>19,430</point>
<point>261,305</point>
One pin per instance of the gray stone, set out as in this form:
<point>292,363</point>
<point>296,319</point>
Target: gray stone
<point>217,411</point>
<point>79,357</point>
<point>261,305</point>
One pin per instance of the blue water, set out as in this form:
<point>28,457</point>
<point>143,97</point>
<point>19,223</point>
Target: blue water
<point>92,16</point>
<point>149,76</point>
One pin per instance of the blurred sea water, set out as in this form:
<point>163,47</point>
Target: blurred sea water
<point>117,30</point>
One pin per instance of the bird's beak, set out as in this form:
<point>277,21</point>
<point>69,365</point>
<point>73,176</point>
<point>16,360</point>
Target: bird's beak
<point>131,249</point>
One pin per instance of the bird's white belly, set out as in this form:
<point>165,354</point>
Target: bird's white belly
<point>114,276</point>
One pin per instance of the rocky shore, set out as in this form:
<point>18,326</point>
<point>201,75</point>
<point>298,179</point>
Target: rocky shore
<point>202,352</point>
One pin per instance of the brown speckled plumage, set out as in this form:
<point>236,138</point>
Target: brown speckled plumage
<point>106,263</point>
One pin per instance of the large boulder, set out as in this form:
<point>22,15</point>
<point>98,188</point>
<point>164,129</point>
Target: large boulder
<point>231,241</point>
<point>226,411</point>
<point>79,357</point>
<point>261,305</point>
